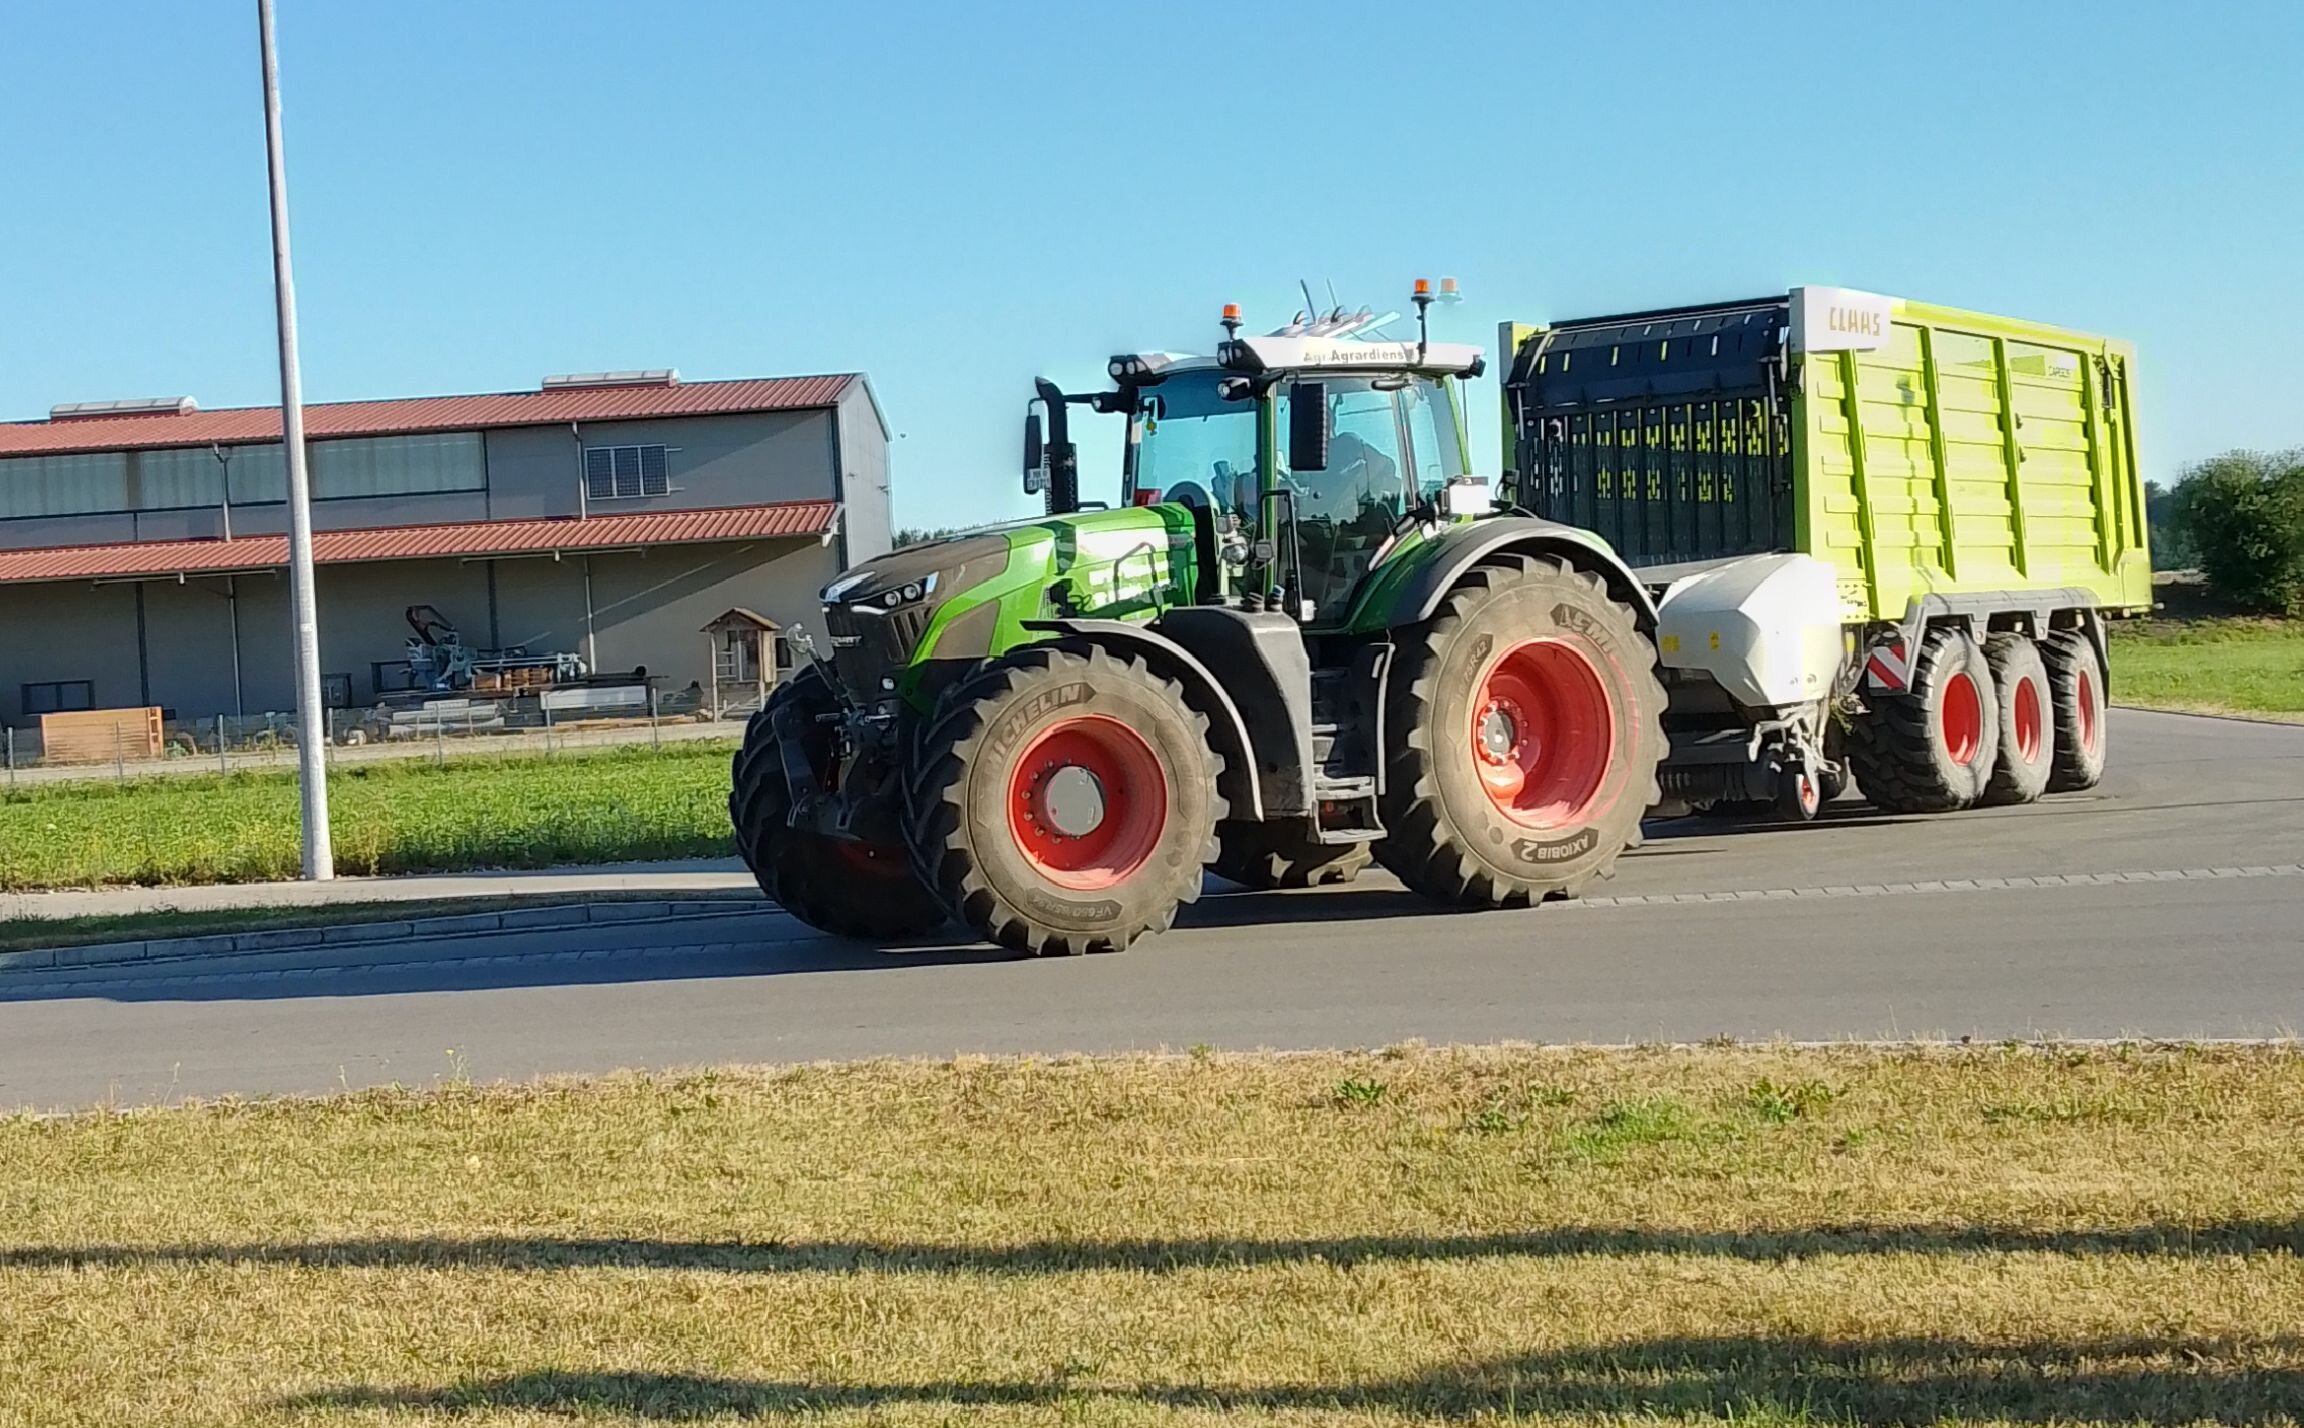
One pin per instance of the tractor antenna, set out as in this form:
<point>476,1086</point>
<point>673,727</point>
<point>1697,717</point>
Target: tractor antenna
<point>1423,297</point>
<point>1311,305</point>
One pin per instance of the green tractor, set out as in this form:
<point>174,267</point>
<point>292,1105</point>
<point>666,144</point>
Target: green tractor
<point>1306,638</point>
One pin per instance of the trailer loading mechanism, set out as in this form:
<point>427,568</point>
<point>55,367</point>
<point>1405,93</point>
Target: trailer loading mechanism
<point>1914,518</point>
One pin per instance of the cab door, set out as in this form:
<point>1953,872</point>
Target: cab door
<point>1346,511</point>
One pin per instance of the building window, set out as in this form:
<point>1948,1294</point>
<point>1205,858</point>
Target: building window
<point>415,465</point>
<point>175,478</point>
<point>59,697</point>
<point>623,473</point>
<point>80,484</point>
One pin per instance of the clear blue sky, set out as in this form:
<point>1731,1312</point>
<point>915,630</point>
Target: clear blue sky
<point>955,197</point>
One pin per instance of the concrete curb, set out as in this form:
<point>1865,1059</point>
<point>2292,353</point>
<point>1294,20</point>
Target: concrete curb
<point>426,929</point>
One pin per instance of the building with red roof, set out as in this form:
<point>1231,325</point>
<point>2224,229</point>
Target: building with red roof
<point>607,516</point>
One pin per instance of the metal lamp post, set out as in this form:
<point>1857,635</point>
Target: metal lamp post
<point>311,749</point>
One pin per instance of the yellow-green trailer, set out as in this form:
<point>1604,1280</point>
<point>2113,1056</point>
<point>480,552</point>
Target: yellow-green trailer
<point>1938,459</point>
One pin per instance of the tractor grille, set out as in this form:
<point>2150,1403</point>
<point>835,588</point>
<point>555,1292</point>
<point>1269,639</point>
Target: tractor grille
<point>866,648</point>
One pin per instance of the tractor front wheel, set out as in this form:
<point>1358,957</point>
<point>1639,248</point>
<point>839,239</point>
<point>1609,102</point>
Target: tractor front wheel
<point>1065,801</point>
<point>1530,724</point>
<point>836,885</point>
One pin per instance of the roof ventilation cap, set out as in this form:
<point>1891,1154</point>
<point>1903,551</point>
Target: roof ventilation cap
<point>126,406</point>
<point>645,377</point>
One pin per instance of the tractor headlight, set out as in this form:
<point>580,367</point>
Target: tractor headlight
<point>911,593</point>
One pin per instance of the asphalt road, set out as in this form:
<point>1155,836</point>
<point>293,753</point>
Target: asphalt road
<point>2169,902</point>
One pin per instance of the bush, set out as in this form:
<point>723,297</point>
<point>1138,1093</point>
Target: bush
<point>2243,515</point>
<point>2171,543</point>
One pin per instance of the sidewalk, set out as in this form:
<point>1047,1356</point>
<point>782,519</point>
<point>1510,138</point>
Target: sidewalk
<point>710,875</point>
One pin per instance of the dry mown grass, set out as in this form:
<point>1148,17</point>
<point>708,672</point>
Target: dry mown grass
<point>1983,1235</point>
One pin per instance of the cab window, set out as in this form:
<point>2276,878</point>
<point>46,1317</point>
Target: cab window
<point>1432,437</point>
<point>1346,511</point>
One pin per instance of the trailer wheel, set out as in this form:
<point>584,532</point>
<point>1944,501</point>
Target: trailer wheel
<point>1529,724</point>
<point>1834,781</point>
<point>2076,692</point>
<point>1265,856</point>
<point>1799,794</point>
<point>1065,802</point>
<point>835,885</point>
<point>1931,748</point>
<point>2027,720</point>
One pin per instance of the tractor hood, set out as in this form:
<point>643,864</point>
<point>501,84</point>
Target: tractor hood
<point>932,572</point>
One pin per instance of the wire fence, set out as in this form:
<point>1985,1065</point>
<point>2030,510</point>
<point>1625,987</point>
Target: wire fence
<point>133,744</point>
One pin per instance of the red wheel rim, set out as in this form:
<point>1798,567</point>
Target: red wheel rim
<point>1962,718</point>
<point>2087,701</point>
<point>1087,802</point>
<point>1543,734</point>
<point>2031,720</point>
<point>1811,798</point>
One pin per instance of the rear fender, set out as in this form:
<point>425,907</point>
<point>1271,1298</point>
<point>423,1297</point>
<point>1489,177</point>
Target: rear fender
<point>1449,556</point>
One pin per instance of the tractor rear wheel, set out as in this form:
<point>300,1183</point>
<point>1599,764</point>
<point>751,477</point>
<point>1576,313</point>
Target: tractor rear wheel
<point>1930,749</point>
<point>1265,856</point>
<point>835,885</point>
<point>2027,721</point>
<point>1065,801</point>
<point>1529,724</point>
<point>2076,692</point>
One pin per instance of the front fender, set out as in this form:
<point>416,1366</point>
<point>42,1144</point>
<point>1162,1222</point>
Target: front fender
<point>1227,729</point>
<point>1429,571</point>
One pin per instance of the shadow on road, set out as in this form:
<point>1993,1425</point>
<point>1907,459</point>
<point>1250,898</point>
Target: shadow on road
<point>1841,817</point>
<point>1162,1256</point>
<point>1913,1380</point>
<point>767,945</point>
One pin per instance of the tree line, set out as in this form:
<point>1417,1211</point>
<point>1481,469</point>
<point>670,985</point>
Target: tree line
<point>2238,519</point>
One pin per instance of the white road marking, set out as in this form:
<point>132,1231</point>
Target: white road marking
<point>1940,885</point>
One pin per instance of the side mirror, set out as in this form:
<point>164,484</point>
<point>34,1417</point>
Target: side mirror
<point>1308,426</point>
<point>1035,454</point>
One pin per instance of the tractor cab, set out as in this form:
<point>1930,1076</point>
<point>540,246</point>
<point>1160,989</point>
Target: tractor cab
<point>1307,455</point>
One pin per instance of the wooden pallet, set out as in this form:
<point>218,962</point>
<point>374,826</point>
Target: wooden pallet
<point>99,736</point>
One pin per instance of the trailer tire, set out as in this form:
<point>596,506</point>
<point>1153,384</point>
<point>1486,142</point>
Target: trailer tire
<point>1064,801</point>
<point>2027,722</point>
<point>1930,749</point>
<point>1267,856</point>
<point>834,885</point>
<point>1799,795</point>
<point>2076,691</point>
<point>1527,722</point>
<point>1833,781</point>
